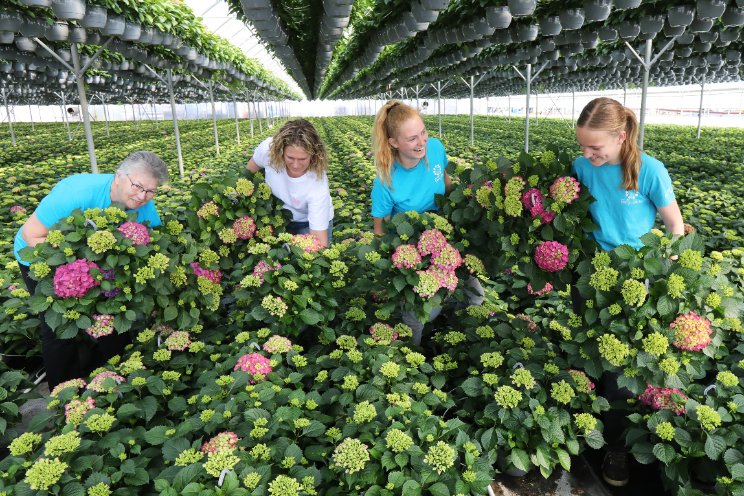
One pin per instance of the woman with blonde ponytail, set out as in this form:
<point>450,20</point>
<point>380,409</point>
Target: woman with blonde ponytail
<point>630,187</point>
<point>410,165</point>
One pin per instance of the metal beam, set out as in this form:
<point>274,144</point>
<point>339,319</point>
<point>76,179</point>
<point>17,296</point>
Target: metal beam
<point>84,107</point>
<point>175,120</point>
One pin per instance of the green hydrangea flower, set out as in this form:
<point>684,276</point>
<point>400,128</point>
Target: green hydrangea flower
<point>351,455</point>
<point>440,457</point>
<point>100,422</point>
<point>665,431</point>
<point>676,285</point>
<point>634,292</point>
<point>364,412</point>
<point>523,378</point>
<point>492,360</point>
<point>709,418</point>
<point>390,370</point>
<point>713,300</point>
<point>727,379</point>
<point>351,382</point>
<point>604,278</point>
<point>62,443</point>
<point>585,422</point>
<point>24,443</point>
<point>691,259</point>
<point>398,441</point>
<point>101,241</point>
<point>251,480</point>
<point>614,309</point>
<point>284,485</point>
<point>601,259</point>
<point>507,397</point>
<point>45,473</point>
<point>669,366</point>
<point>655,344</point>
<point>219,461</point>
<point>613,350</point>
<point>562,392</point>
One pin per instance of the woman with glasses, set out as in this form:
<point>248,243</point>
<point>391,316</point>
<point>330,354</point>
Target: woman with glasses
<point>295,162</point>
<point>133,185</point>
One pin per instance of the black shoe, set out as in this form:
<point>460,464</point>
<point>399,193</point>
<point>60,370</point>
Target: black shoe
<point>615,468</point>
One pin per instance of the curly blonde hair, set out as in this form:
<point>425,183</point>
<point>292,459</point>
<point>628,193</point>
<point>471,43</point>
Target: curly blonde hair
<point>300,133</point>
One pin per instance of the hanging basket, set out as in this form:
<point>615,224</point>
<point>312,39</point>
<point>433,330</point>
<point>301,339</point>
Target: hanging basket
<point>550,25</point>
<point>10,21</point>
<point>701,25</point>
<point>710,9</point>
<point>709,37</point>
<point>6,37</point>
<point>78,35</point>
<point>32,28</point>
<point>95,17</point>
<point>626,4</point>
<point>36,3</point>
<point>670,31</point>
<point>728,35</point>
<point>680,15</point>
<point>499,17</point>
<point>132,31</point>
<point>606,33</point>
<point>572,19</point>
<point>59,31</point>
<point>597,10</point>
<point>25,44</point>
<point>69,9</point>
<point>652,24</point>
<point>522,7</point>
<point>526,32</point>
<point>628,30</point>
<point>733,17</point>
<point>115,25</point>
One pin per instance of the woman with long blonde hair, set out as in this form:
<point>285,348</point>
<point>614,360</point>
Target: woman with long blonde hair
<point>630,188</point>
<point>410,165</point>
<point>295,162</point>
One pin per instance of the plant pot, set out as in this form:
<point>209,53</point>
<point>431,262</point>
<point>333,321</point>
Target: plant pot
<point>652,24</point>
<point>709,37</point>
<point>728,35</point>
<point>32,28</point>
<point>69,9</point>
<point>78,35</point>
<point>597,10</point>
<point>701,25</point>
<point>94,38</point>
<point>522,7</point>
<point>10,21</point>
<point>527,32</point>
<point>670,31</point>
<point>626,4</point>
<point>115,25</point>
<point>59,31</point>
<point>6,37</point>
<point>680,15</point>
<point>685,39</point>
<point>146,35</point>
<point>628,30</point>
<point>132,31</point>
<point>606,33</point>
<point>702,47</point>
<point>421,13</point>
<point>25,44</point>
<point>36,3</point>
<point>95,17</point>
<point>733,16</point>
<point>710,9</point>
<point>547,45</point>
<point>572,18</point>
<point>683,52</point>
<point>499,17</point>
<point>550,25</point>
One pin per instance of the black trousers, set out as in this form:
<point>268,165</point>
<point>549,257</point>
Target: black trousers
<point>66,359</point>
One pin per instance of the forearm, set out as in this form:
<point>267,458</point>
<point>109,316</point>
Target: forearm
<point>322,236</point>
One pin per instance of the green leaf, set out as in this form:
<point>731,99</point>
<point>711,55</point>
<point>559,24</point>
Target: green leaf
<point>439,489</point>
<point>405,229</point>
<point>173,447</point>
<point>156,435</point>
<point>310,316</point>
<point>715,445</point>
<point>472,386</point>
<point>664,453</point>
<point>564,459</point>
<point>170,313</point>
<point>594,439</point>
<point>397,478</point>
<point>520,459</point>
<point>411,488</point>
<point>73,489</point>
<point>625,252</point>
<point>666,306</point>
<point>737,472</point>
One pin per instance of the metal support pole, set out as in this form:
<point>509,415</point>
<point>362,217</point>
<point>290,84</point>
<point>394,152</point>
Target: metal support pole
<point>625,93</point>
<point>169,82</point>
<point>439,105</point>
<point>84,107</point>
<point>258,117</point>
<point>528,79</point>
<point>10,121</point>
<point>508,103</point>
<point>237,126</point>
<point>700,109</point>
<point>214,119</point>
<point>64,114</point>
<point>105,116</point>
<point>644,93</point>
<point>472,119</point>
<point>537,113</point>
<point>266,108</point>
<point>573,108</point>
<point>31,114</point>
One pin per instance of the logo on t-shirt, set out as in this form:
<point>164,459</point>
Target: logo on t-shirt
<point>631,198</point>
<point>296,202</point>
<point>437,173</point>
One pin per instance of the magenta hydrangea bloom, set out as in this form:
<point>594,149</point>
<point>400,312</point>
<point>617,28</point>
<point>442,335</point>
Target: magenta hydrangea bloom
<point>307,242</point>
<point>213,275</point>
<point>277,344</point>
<point>136,232</point>
<point>17,209</point>
<point>406,257</point>
<point>96,384</point>
<point>76,383</point>
<point>691,332</point>
<point>73,280</point>
<point>447,259</point>
<point>224,441</point>
<point>551,256</point>
<point>547,216</point>
<point>244,227</point>
<point>446,278</point>
<point>103,325</point>
<point>546,289</point>
<point>532,200</point>
<point>381,331</point>
<point>76,409</point>
<point>431,242</point>
<point>660,398</point>
<point>254,364</point>
<point>565,189</point>
<point>262,268</point>
<point>178,341</point>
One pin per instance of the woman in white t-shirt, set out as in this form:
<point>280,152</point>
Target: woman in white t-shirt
<point>295,163</point>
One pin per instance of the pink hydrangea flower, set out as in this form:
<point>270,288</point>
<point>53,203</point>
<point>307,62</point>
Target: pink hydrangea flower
<point>307,242</point>
<point>447,259</point>
<point>103,325</point>
<point>660,398</point>
<point>262,268</point>
<point>277,344</point>
<point>547,216</point>
<point>76,383</point>
<point>565,189</point>
<point>73,280</point>
<point>532,200</point>
<point>244,227</point>
<point>76,409</point>
<point>546,289</point>
<point>17,209</point>
<point>383,332</point>
<point>431,242</point>
<point>446,278</point>
<point>178,341</point>
<point>213,275</point>
<point>551,256</point>
<point>406,257</point>
<point>254,364</point>
<point>224,441</point>
<point>96,384</point>
<point>691,332</point>
<point>530,323</point>
<point>583,383</point>
<point>209,208</point>
<point>136,232</point>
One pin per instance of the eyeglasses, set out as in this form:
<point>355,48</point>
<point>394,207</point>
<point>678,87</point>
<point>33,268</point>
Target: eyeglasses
<point>139,189</point>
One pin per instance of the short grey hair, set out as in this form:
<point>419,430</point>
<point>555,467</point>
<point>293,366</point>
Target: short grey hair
<point>146,162</point>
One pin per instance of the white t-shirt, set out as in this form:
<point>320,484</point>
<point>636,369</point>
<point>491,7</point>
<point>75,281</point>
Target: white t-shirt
<point>308,198</point>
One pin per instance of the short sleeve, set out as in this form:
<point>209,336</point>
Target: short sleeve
<point>148,212</point>
<point>382,200</point>
<point>261,153</point>
<point>60,202</point>
<point>660,190</point>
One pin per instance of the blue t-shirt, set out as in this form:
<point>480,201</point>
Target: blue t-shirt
<point>624,216</point>
<point>81,191</point>
<point>412,189</point>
